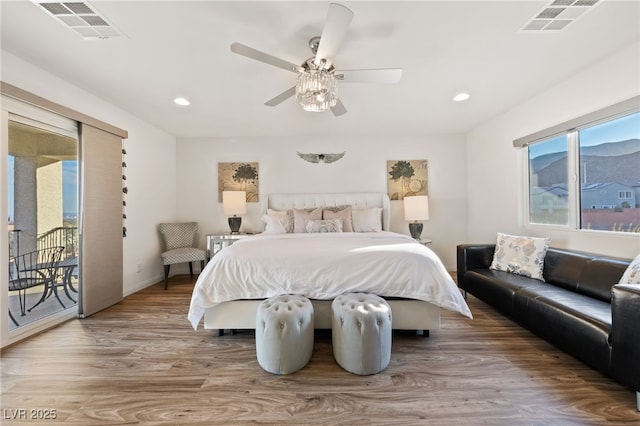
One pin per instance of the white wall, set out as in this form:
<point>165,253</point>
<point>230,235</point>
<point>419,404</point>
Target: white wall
<point>363,168</point>
<point>475,185</point>
<point>495,169</point>
<point>150,159</point>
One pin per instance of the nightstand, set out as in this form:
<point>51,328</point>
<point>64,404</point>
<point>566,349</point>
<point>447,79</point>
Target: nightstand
<point>216,242</point>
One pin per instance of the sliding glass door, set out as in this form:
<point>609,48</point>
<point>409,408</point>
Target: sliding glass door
<point>61,191</point>
<point>42,219</point>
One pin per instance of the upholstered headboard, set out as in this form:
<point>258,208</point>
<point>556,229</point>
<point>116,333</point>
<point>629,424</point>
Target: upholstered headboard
<point>358,200</point>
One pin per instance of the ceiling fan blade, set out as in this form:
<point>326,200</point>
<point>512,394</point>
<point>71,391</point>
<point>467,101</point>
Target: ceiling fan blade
<point>252,53</point>
<point>384,75</point>
<point>338,109</point>
<point>335,28</point>
<point>281,97</point>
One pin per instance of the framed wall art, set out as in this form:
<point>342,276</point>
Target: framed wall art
<point>407,178</point>
<point>239,177</point>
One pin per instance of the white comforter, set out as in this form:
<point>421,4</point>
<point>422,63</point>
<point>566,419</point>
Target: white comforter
<point>323,266</point>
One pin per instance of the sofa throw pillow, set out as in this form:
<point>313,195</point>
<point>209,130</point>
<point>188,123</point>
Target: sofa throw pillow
<point>301,216</point>
<point>343,214</point>
<point>632,273</point>
<point>367,220</point>
<point>327,225</point>
<point>520,255</point>
<point>285,217</point>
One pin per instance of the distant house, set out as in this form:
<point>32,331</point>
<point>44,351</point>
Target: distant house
<point>549,199</point>
<point>607,195</point>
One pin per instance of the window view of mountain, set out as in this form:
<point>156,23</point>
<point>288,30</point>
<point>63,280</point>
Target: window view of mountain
<point>609,187</point>
<point>607,162</point>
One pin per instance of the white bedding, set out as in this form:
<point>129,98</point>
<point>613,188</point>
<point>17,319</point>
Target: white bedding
<point>322,266</point>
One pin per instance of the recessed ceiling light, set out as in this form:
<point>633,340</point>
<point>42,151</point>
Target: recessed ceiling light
<point>461,97</point>
<point>182,101</point>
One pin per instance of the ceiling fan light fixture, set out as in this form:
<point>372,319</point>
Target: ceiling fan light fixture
<point>316,90</point>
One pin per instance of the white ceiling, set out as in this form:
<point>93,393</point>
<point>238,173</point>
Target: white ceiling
<point>173,48</point>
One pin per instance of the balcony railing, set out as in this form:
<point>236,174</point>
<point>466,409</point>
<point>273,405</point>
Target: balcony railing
<point>65,236</point>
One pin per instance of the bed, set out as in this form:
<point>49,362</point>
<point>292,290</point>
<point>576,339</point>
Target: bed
<point>322,265</point>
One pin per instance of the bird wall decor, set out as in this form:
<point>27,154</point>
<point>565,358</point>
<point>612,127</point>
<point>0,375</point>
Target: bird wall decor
<point>321,158</point>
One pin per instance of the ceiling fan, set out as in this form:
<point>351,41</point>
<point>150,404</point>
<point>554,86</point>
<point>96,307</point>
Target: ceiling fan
<point>316,87</point>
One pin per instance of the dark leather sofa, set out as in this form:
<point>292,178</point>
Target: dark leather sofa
<point>579,308</point>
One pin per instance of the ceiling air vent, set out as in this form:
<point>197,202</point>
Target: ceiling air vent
<point>557,15</point>
<point>80,17</point>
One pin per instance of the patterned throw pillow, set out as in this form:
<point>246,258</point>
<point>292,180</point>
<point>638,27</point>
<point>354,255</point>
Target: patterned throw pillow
<point>301,216</point>
<point>632,273</point>
<point>520,255</point>
<point>330,225</point>
<point>337,208</point>
<point>344,214</point>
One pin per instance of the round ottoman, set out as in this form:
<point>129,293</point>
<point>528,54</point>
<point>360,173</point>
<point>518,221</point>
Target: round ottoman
<point>361,332</point>
<point>284,333</point>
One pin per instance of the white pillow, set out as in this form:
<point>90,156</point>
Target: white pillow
<point>367,220</point>
<point>343,214</point>
<point>274,224</point>
<point>632,273</point>
<point>328,225</point>
<point>285,217</point>
<point>520,255</point>
<point>301,216</point>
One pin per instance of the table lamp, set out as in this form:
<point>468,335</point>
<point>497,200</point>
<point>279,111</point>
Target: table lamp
<point>416,208</point>
<point>234,203</point>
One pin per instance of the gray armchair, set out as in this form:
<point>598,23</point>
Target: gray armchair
<point>180,246</point>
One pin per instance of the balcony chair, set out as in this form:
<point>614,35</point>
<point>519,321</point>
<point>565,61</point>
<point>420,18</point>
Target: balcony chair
<point>33,269</point>
<point>180,242</point>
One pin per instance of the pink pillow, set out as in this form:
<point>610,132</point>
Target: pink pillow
<point>344,214</point>
<point>300,218</point>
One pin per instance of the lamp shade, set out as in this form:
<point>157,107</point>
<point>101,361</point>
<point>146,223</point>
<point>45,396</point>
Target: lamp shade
<point>234,202</point>
<point>416,207</point>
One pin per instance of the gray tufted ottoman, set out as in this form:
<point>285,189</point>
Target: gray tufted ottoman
<point>284,333</point>
<point>361,328</point>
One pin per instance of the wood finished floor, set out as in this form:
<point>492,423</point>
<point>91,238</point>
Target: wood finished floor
<point>139,362</point>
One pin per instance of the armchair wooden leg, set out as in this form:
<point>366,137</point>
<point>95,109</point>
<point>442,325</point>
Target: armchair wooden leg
<point>166,276</point>
<point>191,269</point>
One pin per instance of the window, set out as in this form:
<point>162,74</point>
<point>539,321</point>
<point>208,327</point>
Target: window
<point>549,182</point>
<point>587,176</point>
<point>610,175</point>
<point>624,194</point>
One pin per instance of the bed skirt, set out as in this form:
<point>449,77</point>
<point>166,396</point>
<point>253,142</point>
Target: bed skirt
<point>241,314</point>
